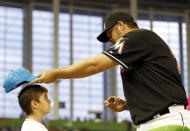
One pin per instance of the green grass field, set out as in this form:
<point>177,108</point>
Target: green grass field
<point>62,124</point>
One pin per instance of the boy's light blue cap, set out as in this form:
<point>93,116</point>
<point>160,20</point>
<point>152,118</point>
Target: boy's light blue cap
<point>17,77</point>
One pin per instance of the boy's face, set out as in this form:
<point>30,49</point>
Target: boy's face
<point>44,104</point>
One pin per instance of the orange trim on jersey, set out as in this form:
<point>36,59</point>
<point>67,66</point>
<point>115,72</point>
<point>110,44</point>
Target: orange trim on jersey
<point>178,68</point>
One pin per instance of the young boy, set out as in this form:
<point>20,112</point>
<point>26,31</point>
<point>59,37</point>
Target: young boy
<point>34,102</point>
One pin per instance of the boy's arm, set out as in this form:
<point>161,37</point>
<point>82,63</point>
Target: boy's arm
<point>81,69</point>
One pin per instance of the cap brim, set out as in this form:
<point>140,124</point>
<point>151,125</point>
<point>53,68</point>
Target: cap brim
<point>103,36</point>
<point>10,88</point>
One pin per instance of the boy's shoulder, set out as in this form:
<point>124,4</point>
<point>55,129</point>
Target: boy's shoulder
<point>32,125</point>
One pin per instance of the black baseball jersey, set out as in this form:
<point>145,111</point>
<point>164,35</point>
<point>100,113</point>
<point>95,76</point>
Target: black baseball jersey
<point>150,74</point>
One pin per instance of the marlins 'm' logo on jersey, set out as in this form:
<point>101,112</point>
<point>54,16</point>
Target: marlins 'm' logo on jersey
<point>118,47</point>
<point>115,51</point>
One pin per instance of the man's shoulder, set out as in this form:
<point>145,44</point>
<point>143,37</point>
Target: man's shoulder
<point>139,31</point>
<point>140,34</point>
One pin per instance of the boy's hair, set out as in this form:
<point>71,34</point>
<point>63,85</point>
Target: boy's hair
<point>29,93</point>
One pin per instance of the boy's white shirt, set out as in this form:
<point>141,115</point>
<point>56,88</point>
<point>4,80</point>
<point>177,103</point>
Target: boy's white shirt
<point>32,125</point>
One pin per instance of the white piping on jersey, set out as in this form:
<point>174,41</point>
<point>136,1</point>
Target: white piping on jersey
<point>117,60</point>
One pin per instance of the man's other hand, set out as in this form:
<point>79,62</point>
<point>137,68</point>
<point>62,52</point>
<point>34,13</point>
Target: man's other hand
<point>116,104</point>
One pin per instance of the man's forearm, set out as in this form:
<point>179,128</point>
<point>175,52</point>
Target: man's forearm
<point>79,70</point>
<point>86,67</point>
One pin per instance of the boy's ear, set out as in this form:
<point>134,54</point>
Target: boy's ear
<point>34,104</point>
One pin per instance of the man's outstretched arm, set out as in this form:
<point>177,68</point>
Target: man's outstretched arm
<point>81,69</point>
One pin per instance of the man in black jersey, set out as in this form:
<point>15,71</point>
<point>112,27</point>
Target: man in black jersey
<point>150,74</point>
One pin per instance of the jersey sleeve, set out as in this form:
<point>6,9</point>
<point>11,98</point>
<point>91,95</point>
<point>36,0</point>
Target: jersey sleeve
<point>128,51</point>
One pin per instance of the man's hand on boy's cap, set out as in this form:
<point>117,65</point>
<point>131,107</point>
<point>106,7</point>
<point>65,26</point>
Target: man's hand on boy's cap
<point>38,80</point>
<point>45,77</point>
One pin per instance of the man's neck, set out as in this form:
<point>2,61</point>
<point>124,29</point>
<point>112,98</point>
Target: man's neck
<point>131,29</point>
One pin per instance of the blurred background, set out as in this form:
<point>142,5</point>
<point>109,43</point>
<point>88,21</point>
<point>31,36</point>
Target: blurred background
<point>45,34</point>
